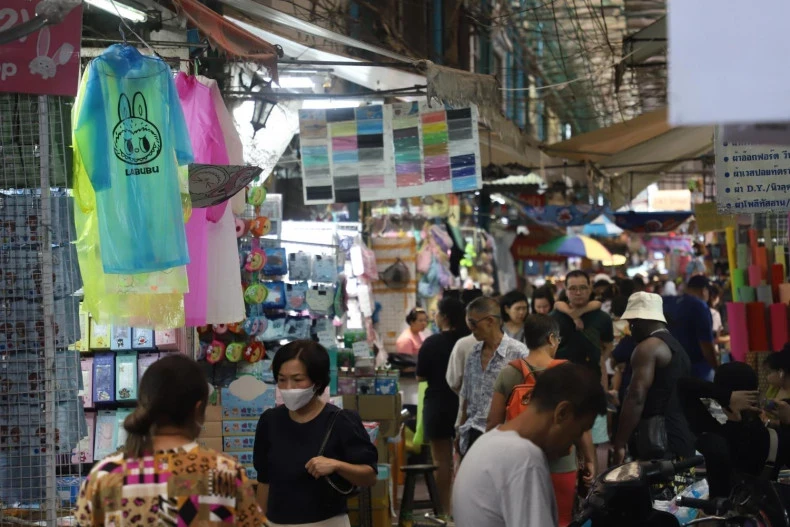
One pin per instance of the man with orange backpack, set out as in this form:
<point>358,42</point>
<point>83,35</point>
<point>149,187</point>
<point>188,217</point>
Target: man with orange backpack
<point>512,392</point>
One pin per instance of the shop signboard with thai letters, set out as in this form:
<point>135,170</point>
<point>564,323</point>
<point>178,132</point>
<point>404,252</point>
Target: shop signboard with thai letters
<point>44,62</point>
<point>751,178</point>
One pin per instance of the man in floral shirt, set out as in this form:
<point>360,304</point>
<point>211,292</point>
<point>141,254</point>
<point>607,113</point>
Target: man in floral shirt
<point>493,352</point>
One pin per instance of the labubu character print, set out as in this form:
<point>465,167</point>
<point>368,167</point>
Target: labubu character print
<point>135,139</point>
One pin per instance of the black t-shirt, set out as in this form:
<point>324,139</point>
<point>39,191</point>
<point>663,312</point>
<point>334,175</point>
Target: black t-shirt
<point>282,449</point>
<point>584,346</point>
<point>432,364</point>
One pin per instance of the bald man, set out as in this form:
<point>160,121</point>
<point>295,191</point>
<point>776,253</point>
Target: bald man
<point>493,352</point>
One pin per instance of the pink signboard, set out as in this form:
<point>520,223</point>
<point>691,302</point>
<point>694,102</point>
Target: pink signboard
<point>45,62</point>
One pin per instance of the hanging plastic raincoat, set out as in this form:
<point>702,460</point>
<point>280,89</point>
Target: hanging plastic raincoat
<point>225,298</point>
<point>131,133</point>
<point>152,310</point>
<point>208,145</point>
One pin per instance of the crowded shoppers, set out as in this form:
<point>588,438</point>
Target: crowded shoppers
<point>410,340</point>
<point>505,479</point>
<point>652,420</point>
<point>440,406</point>
<point>542,335</point>
<point>690,322</point>
<point>162,468</point>
<point>493,351</point>
<point>309,454</point>
<point>514,311</point>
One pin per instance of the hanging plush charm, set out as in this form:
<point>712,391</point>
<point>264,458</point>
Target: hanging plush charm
<point>234,351</point>
<point>256,196</point>
<point>255,294</point>
<point>256,259</point>
<point>242,227</point>
<point>215,352</point>
<point>260,226</point>
<point>254,352</point>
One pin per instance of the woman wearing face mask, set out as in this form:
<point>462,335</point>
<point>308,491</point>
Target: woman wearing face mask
<point>297,486</point>
<point>162,467</point>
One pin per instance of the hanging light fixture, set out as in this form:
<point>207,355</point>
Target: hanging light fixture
<point>260,114</point>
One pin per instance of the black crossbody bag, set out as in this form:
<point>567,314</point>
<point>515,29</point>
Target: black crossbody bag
<point>353,490</point>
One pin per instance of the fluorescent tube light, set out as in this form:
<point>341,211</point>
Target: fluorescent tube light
<point>114,7</point>
<point>296,82</point>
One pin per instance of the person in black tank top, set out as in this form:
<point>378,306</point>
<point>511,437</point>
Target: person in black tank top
<point>652,419</point>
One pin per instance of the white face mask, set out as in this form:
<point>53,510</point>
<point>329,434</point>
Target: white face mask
<point>298,398</point>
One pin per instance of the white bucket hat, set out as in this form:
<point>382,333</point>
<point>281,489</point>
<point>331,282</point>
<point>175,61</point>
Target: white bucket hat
<point>645,306</point>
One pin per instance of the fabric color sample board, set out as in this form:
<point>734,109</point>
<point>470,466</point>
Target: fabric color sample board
<point>755,275</point>
<point>391,151</point>
<point>739,332</point>
<point>738,281</point>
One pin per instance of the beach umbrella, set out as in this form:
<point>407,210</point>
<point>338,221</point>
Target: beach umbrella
<point>579,246</point>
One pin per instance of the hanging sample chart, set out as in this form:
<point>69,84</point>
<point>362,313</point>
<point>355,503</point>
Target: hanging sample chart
<point>391,151</point>
<point>408,152</point>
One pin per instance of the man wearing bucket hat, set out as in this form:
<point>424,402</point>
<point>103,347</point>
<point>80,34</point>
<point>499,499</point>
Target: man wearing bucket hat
<point>652,420</point>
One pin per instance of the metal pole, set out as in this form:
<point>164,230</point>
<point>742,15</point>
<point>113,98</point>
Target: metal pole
<point>48,304</point>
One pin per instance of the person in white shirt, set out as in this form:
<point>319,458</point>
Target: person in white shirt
<point>504,480</point>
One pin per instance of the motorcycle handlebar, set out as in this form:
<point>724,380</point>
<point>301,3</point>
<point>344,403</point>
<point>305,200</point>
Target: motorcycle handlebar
<point>688,463</point>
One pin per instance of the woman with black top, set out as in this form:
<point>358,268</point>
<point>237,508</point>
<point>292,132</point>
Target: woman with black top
<point>440,406</point>
<point>741,444</point>
<point>299,485</point>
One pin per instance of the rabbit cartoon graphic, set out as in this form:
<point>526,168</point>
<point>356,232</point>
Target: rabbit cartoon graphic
<point>136,140</point>
<point>45,65</point>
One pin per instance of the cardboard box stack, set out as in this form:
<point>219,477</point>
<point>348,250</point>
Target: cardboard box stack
<point>211,433</point>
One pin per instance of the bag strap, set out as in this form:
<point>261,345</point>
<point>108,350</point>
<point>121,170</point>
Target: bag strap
<point>328,432</point>
<point>519,365</point>
<point>773,450</point>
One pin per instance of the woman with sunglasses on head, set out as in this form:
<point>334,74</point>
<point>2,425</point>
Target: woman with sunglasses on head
<point>542,335</point>
<point>309,455</point>
<point>162,470</point>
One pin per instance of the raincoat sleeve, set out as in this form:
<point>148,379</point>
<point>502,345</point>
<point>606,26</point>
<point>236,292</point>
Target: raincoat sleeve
<point>90,133</point>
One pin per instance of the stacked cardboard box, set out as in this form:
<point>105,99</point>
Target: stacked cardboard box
<point>379,498</point>
<point>211,433</point>
<point>383,409</point>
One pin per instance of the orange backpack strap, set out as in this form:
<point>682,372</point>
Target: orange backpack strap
<point>524,367</point>
<point>557,362</point>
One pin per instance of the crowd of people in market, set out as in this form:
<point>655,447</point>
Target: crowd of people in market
<point>554,389</point>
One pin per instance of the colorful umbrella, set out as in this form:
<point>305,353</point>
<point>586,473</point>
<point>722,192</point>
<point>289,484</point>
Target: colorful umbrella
<point>602,226</point>
<point>579,246</point>
<point>616,261</point>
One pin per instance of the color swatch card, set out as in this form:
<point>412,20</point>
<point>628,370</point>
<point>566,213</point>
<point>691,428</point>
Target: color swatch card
<point>391,151</point>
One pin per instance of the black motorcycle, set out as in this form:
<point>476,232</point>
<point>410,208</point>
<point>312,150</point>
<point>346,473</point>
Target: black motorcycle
<point>621,497</point>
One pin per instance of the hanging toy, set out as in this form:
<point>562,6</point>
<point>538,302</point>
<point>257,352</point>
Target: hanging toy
<point>260,226</point>
<point>215,352</point>
<point>219,329</point>
<point>255,294</point>
<point>254,352</point>
<point>251,326</point>
<point>255,261</point>
<point>203,330</point>
<point>235,328</point>
<point>256,196</point>
<point>242,227</point>
<point>234,351</point>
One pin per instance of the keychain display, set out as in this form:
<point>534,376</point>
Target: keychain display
<point>296,296</point>
<point>274,330</point>
<point>276,263</point>
<point>300,266</point>
<point>242,227</point>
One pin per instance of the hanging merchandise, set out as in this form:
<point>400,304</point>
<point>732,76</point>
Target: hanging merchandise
<point>132,137</point>
<point>299,266</point>
<point>275,262</point>
<point>107,306</point>
<point>380,152</point>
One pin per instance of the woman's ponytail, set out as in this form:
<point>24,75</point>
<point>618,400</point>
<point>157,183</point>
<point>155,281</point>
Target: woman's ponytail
<point>138,428</point>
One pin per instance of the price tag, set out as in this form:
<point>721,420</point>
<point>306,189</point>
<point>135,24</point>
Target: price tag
<point>361,349</point>
<point>327,339</point>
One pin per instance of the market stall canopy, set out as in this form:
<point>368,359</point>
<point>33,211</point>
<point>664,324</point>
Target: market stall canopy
<point>232,39</point>
<point>633,154</point>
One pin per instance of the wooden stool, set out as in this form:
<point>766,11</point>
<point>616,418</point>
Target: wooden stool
<point>407,503</point>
